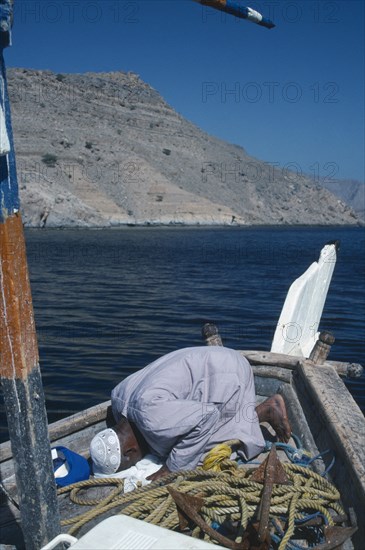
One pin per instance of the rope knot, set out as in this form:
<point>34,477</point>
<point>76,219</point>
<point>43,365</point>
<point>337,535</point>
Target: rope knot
<point>219,458</point>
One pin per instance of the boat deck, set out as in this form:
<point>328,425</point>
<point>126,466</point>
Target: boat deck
<point>309,393</point>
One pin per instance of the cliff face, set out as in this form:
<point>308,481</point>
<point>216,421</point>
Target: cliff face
<point>352,192</point>
<point>105,149</point>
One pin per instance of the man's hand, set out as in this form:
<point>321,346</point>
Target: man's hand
<point>164,471</point>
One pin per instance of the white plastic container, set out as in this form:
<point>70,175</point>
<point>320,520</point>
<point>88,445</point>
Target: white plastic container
<point>122,533</point>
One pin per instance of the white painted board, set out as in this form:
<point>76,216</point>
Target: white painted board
<point>4,139</point>
<point>297,329</point>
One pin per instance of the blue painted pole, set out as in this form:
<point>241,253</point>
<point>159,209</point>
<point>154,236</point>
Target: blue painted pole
<point>19,364</point>
<point>237,9</point>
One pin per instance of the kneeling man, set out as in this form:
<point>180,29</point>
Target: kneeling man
<point>181,406</point>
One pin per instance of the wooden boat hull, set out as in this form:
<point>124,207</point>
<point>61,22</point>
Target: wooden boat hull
<point>322,413</point>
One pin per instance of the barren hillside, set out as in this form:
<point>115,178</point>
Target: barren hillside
<point>105,149</point>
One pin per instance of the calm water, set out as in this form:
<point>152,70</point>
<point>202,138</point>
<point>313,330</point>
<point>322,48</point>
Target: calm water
<point>108,302</point>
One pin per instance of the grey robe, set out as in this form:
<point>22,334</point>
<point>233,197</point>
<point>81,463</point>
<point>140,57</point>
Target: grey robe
<point>190,400</point>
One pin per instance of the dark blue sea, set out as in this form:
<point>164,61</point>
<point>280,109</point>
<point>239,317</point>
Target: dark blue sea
<point>108,302</point>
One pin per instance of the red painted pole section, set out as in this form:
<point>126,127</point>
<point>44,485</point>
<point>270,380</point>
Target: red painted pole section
<point>23,393</point>
<point>19,351</point>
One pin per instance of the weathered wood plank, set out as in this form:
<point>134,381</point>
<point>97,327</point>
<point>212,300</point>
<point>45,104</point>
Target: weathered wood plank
<point>66,426</point>
<point>299,424</point>
<point>291,362</point>
<point>267,386</point>
<point>337,424</point>
<point>80,441</point>
<point>276,373</point>
<point>79,421</point>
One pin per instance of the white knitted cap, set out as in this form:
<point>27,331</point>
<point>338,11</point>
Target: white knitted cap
<point>105,452</point>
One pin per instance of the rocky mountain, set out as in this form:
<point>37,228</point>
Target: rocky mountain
<point>105,149</point>
<point>352,192</point>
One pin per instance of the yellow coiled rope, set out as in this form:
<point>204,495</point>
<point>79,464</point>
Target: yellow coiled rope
<point>228,494</point>
<point>218,459</point>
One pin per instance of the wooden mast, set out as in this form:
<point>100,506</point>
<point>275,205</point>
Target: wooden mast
<point>19,364</point>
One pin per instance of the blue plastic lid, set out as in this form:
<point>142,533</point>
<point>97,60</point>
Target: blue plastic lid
<point>77,466</point>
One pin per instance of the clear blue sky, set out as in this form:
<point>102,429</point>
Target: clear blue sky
<point>298,89</point>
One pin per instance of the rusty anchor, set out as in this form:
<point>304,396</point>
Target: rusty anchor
<point>270,473</point>
<point>335,537</point>
<point>188,508</point>
<point>257,536</point>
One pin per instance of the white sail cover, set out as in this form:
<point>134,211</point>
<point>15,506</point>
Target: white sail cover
<point>297,329</point>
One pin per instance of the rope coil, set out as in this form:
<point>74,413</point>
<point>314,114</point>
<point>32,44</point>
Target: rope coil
<point>228,495</point>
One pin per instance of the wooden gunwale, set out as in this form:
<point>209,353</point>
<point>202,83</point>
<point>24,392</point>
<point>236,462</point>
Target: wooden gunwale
<point>291,362</point>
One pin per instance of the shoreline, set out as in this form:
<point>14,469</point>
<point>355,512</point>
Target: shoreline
<point>124,227</point>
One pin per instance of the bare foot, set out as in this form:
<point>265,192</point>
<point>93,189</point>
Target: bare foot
<point>273,411</point>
